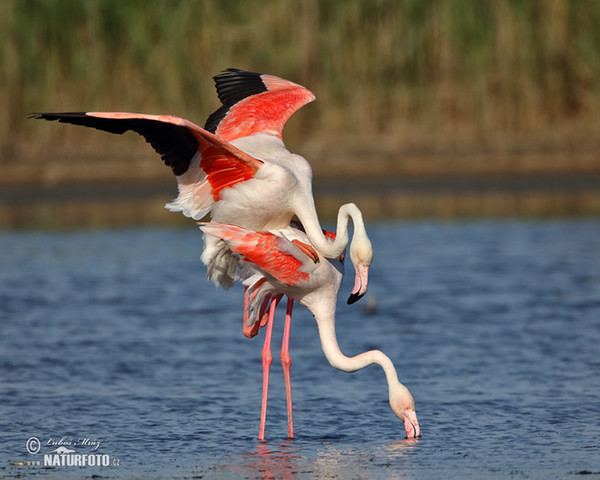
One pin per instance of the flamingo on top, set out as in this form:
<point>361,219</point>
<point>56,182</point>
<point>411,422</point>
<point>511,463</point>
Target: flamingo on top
<point>273,266</point>
<point>238,169</point>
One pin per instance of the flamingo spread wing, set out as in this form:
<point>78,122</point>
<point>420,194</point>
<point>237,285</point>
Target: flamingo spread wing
<point>254,103</point>
<point>242,148</point>
<point>285,262</point>
<point>177,140</point>
<point>273,254</point>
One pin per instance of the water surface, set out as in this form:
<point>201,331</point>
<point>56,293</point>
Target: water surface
<point>115,336</point>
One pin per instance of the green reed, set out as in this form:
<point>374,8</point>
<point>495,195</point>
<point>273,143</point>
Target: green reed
<point>376,66</point>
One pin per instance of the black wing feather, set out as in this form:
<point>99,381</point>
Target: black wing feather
<point>175,144</point>
<point>233,85</point>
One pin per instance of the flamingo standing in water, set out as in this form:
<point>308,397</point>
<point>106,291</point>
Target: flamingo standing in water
<point>238,169</point>
<point>274,266</point>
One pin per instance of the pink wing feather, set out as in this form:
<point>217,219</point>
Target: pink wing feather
<point>255,103</point>
<point>177,140</point>
<point>224,164</point>
<point>272,254</point>
<point>252,103</point>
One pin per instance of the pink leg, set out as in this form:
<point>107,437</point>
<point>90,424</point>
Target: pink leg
<point>267,359</point>
<point>286,361</point>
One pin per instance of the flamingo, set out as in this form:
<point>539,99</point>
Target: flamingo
<point>238,169</point>
<point>274,266</point>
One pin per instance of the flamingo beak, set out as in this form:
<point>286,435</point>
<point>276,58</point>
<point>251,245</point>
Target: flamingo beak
<point>411,424</point>
<point>361,282</point>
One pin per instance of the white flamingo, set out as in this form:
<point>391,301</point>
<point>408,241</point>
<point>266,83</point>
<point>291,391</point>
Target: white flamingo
<point>238,169</point>
<point>274,266</point>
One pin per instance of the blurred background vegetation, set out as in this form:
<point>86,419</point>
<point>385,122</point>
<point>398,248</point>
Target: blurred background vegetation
<point>417,89</point>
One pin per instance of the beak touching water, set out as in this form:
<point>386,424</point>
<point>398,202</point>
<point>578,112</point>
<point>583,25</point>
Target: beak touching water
<point>411,424</point>
<point>360,283</point>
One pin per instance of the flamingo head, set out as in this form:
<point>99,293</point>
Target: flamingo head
<point>403,405</point>
<point>361,254</point>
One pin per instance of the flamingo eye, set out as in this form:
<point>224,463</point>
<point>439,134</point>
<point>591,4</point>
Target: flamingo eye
<point>341,257</point>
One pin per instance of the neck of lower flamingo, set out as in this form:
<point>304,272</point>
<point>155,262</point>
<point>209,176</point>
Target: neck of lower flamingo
<point>313,230</point>
<point>337,359</point>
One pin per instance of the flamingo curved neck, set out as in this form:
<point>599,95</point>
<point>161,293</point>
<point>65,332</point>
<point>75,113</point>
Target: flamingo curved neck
<point>320,242</point>
<point>341,362</point>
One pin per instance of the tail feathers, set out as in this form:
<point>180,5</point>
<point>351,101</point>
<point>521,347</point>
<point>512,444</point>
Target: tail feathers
<point>221,263</point>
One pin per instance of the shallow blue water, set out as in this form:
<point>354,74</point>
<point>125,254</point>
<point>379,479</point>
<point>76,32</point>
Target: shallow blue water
<point>117,337</point>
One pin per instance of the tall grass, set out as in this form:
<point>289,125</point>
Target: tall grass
<point>377,66</point>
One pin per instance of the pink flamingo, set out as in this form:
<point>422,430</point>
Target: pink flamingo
<point>238,169</point>
<point>274,266</point>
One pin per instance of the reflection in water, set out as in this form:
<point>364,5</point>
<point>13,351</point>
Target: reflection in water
<point>279,461</point>
<point>496,325</point>
<point>293,458</point>
<point>359,462</point>
<point>401,447</point>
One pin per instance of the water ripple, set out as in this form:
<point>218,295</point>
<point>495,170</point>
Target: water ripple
<point>493,326</point>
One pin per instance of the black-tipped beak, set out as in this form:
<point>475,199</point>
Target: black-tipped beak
<point>355,297</point>
<point>361,282</point>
